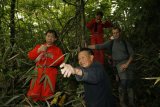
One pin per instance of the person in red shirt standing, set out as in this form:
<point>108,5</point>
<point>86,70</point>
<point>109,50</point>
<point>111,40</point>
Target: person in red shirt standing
<point>96,27</point>
<point>47,57</point>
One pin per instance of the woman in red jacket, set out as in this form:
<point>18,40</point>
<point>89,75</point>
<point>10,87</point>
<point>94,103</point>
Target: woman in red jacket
<point>96,27</point>
<point>47,56</point>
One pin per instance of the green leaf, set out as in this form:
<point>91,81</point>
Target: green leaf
<point>50,83</point>
<point>152,78</point>
<point>45,82</point>
<point>67,57</point>
<point>42,78</point>
<point>13,57</point>
<point>13,98</point>
<point>58,59</point>
<point>158,79</point>
<point>6,54</point>
<point>30,72</point>
<point>48,105</point>
<point>27,80</point>
<point>33,82</point>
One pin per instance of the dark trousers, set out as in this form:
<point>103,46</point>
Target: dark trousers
<point>126,95</point>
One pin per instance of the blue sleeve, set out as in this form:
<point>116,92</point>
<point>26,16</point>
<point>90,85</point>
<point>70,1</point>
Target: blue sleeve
<point>130,49</point>
<point>92,74</point>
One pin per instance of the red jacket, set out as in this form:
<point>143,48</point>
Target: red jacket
<point>92,24</point>
<point>43,62</point>
<point>48,57</point>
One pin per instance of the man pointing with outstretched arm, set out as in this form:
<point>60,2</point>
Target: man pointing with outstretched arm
<point>96,82</point>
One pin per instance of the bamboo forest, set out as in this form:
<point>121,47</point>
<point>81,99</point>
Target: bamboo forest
<point>23,25</point>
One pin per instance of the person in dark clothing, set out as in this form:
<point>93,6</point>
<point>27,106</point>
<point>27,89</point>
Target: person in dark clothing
<point>96,82</point>
<point>122,56</point>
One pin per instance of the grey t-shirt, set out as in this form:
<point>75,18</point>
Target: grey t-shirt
<point>119,51</point>
<point>119,55</point>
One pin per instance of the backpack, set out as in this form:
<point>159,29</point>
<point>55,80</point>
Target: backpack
<point>110,61</point>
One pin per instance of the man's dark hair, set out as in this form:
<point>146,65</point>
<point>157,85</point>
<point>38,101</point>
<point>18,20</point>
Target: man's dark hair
<point>100,13</point>
<point>90,51</point>
<point>116,27</point>
<point>53,32</point>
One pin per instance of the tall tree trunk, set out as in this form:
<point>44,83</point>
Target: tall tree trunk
<point>78,22</point>
<point>80,15</point>
<point>12,23</point>
<point>83,22</point>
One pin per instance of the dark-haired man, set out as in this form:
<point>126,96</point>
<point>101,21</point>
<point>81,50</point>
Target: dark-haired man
<point>96,83</point>
<point>96,27</point>
<point>47,56</point>
<point>122,56</point>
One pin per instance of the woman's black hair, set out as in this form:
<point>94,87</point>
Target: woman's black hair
<point>52,31</point>
<point>90,51</point>
<point>100,13</point>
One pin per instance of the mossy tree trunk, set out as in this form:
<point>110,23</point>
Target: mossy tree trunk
<point>12,22</point>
